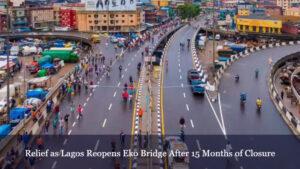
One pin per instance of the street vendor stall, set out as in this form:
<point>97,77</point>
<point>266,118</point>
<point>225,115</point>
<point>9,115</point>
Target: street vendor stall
<point>39,82</point>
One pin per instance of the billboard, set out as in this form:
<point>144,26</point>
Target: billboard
<point>110,5</point>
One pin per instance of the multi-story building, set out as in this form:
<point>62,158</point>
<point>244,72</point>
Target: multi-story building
<point>41,17</point>
<point>285,4</point>
<point>229,3</point>
<point>293,11</point>
<point>112,21</point>
<point>244,12</point>
<point>258,24</point>
<point>19,17</point>
<point>56,17</point>
<point>160,3</point>
<point>272,10</point>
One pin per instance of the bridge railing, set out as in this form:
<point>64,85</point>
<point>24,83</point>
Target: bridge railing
<point>292,121</point>
<point>296,93</point>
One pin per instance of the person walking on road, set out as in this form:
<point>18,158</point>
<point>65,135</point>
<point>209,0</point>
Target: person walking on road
<point>66,119</point>
<point>61,126</point>
<point>47,123</point>
<point>79,110</point>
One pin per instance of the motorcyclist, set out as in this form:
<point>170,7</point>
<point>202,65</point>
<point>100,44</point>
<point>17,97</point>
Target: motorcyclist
<point>243,97</point>
<point>120,68</point>
<point>139,66</point>
<point>258,103</point>
<point>237,77</point>
<point>125,86</point>
<point>256,73</point>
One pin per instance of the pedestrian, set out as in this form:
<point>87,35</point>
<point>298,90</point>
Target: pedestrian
<point>66,119</point>
<point>79,110</point>
<point>61,126</point>
<point>54,125</point>
<point>72,108</point>
<point>282,94</point>
<point>40,143</point>
<point>122,139</point>
<point>113,146</point>
<point>47,124</point>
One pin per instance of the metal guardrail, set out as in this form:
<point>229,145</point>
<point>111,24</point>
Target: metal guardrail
<point>291,120</point>
<point>296,93</point>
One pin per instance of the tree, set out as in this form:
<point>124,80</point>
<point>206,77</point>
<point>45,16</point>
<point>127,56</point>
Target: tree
<point>188,11</point>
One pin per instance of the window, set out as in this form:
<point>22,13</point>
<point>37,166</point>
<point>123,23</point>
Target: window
<point>96,22</point>
<point>104,21</point>
<point>90,21</point>
<point>91,27</point>
<point>104,16</point>
<point>111,22</point>
<point>123,21</point>
<point>131,21</point>
<point>111,15</point>
<point>131,15</point>
<point>95,16</point>
<point>117,15</point>
<point>123,16</point>
<point>89,16</point>
<point>117,21</point>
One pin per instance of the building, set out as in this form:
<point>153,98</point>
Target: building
<point>244,12</point>
<point>112,21</point>
<point>293,11</point>
<point>19,17</point>
<point>229,3</point>
<point>41,17</point>
<point>68,18</point>
<point>291,28</point>
<point>160,3</point>
<point>285,4</point>
<point>272,10</point>
<point>258,24</point>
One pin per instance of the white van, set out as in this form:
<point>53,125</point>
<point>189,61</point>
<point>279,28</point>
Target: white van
<point>14,50</point>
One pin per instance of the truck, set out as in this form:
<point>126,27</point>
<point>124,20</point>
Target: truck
<point>66,56</point>
<point>95,38</point>
<point>172,144</point>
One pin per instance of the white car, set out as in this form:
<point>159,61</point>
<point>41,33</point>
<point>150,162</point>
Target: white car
<point>174,143</point>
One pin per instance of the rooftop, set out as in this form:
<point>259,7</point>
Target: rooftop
<point>261,17</point>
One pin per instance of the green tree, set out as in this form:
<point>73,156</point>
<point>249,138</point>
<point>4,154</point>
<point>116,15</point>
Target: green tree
<point>188,11</point>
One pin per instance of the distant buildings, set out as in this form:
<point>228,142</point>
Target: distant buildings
<point>41,18</point>
<point>259,24</point>
<point>286,4</point>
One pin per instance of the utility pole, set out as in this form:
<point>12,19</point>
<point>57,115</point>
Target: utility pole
<point>7,63</point>
<point>213,31</point>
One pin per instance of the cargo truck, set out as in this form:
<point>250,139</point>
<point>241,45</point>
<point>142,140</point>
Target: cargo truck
<point>66,56</point>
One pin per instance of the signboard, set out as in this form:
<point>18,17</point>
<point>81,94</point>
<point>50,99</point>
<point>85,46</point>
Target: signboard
<point>110,5</point>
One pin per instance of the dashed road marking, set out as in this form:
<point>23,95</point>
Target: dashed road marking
<point>192,124</point>
<point>115,93</point>
<point>84,104</point>
<point>74,123</point>
<point>96,145</point>
<point>179,64</point>
<point>183,94</point>
<point>69,132</point>
<point>77,117</point>
<point>65,142</point>
<point>126,70</point>
<point>104,122</point>
<point>109,106</point>
<point>119,84</point>
<point>88,99</point>
<point>54,164</point>
<point>179,70</point>
<point>122,76</point>
<point>187,107</point>
<point>180,77</point>
<point>198,144</point>
<point>182,85</point>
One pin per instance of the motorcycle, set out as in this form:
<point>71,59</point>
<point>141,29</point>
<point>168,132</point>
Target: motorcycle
<point>237,78</point>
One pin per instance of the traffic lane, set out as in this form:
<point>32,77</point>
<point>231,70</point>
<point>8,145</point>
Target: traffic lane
<point>186,105</point>
<point>248,121</point>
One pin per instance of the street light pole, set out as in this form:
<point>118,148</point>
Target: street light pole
<point>7,63</point>
<point>213,31</point>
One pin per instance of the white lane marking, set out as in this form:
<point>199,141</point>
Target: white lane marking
<point>115,93</point>
<point>104,122</point>
<point>77,117</point>
<point>179,64</point>
<point>65,142</point>
<point>241,167</point>
<point>74,123</point>
<point>180,77</point>
<point>198,144</point>
<point>182,85</point>
<point>54,164</point>
<point>183,94</point>
<point>109,106</point>
<point>84,104</point>
<point>90,94</point>
<point>96,145</point>
<point>221,111</point>
<point>192,124</point>
<point>128,64</point>
<point>187,107</point>
<point>70,132</point>
<point>126,70</point>
<point>88,99</point>
<point>119,84</point>
<point>122,76</point>
<point>179,70</point>
<point>217,118</point>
